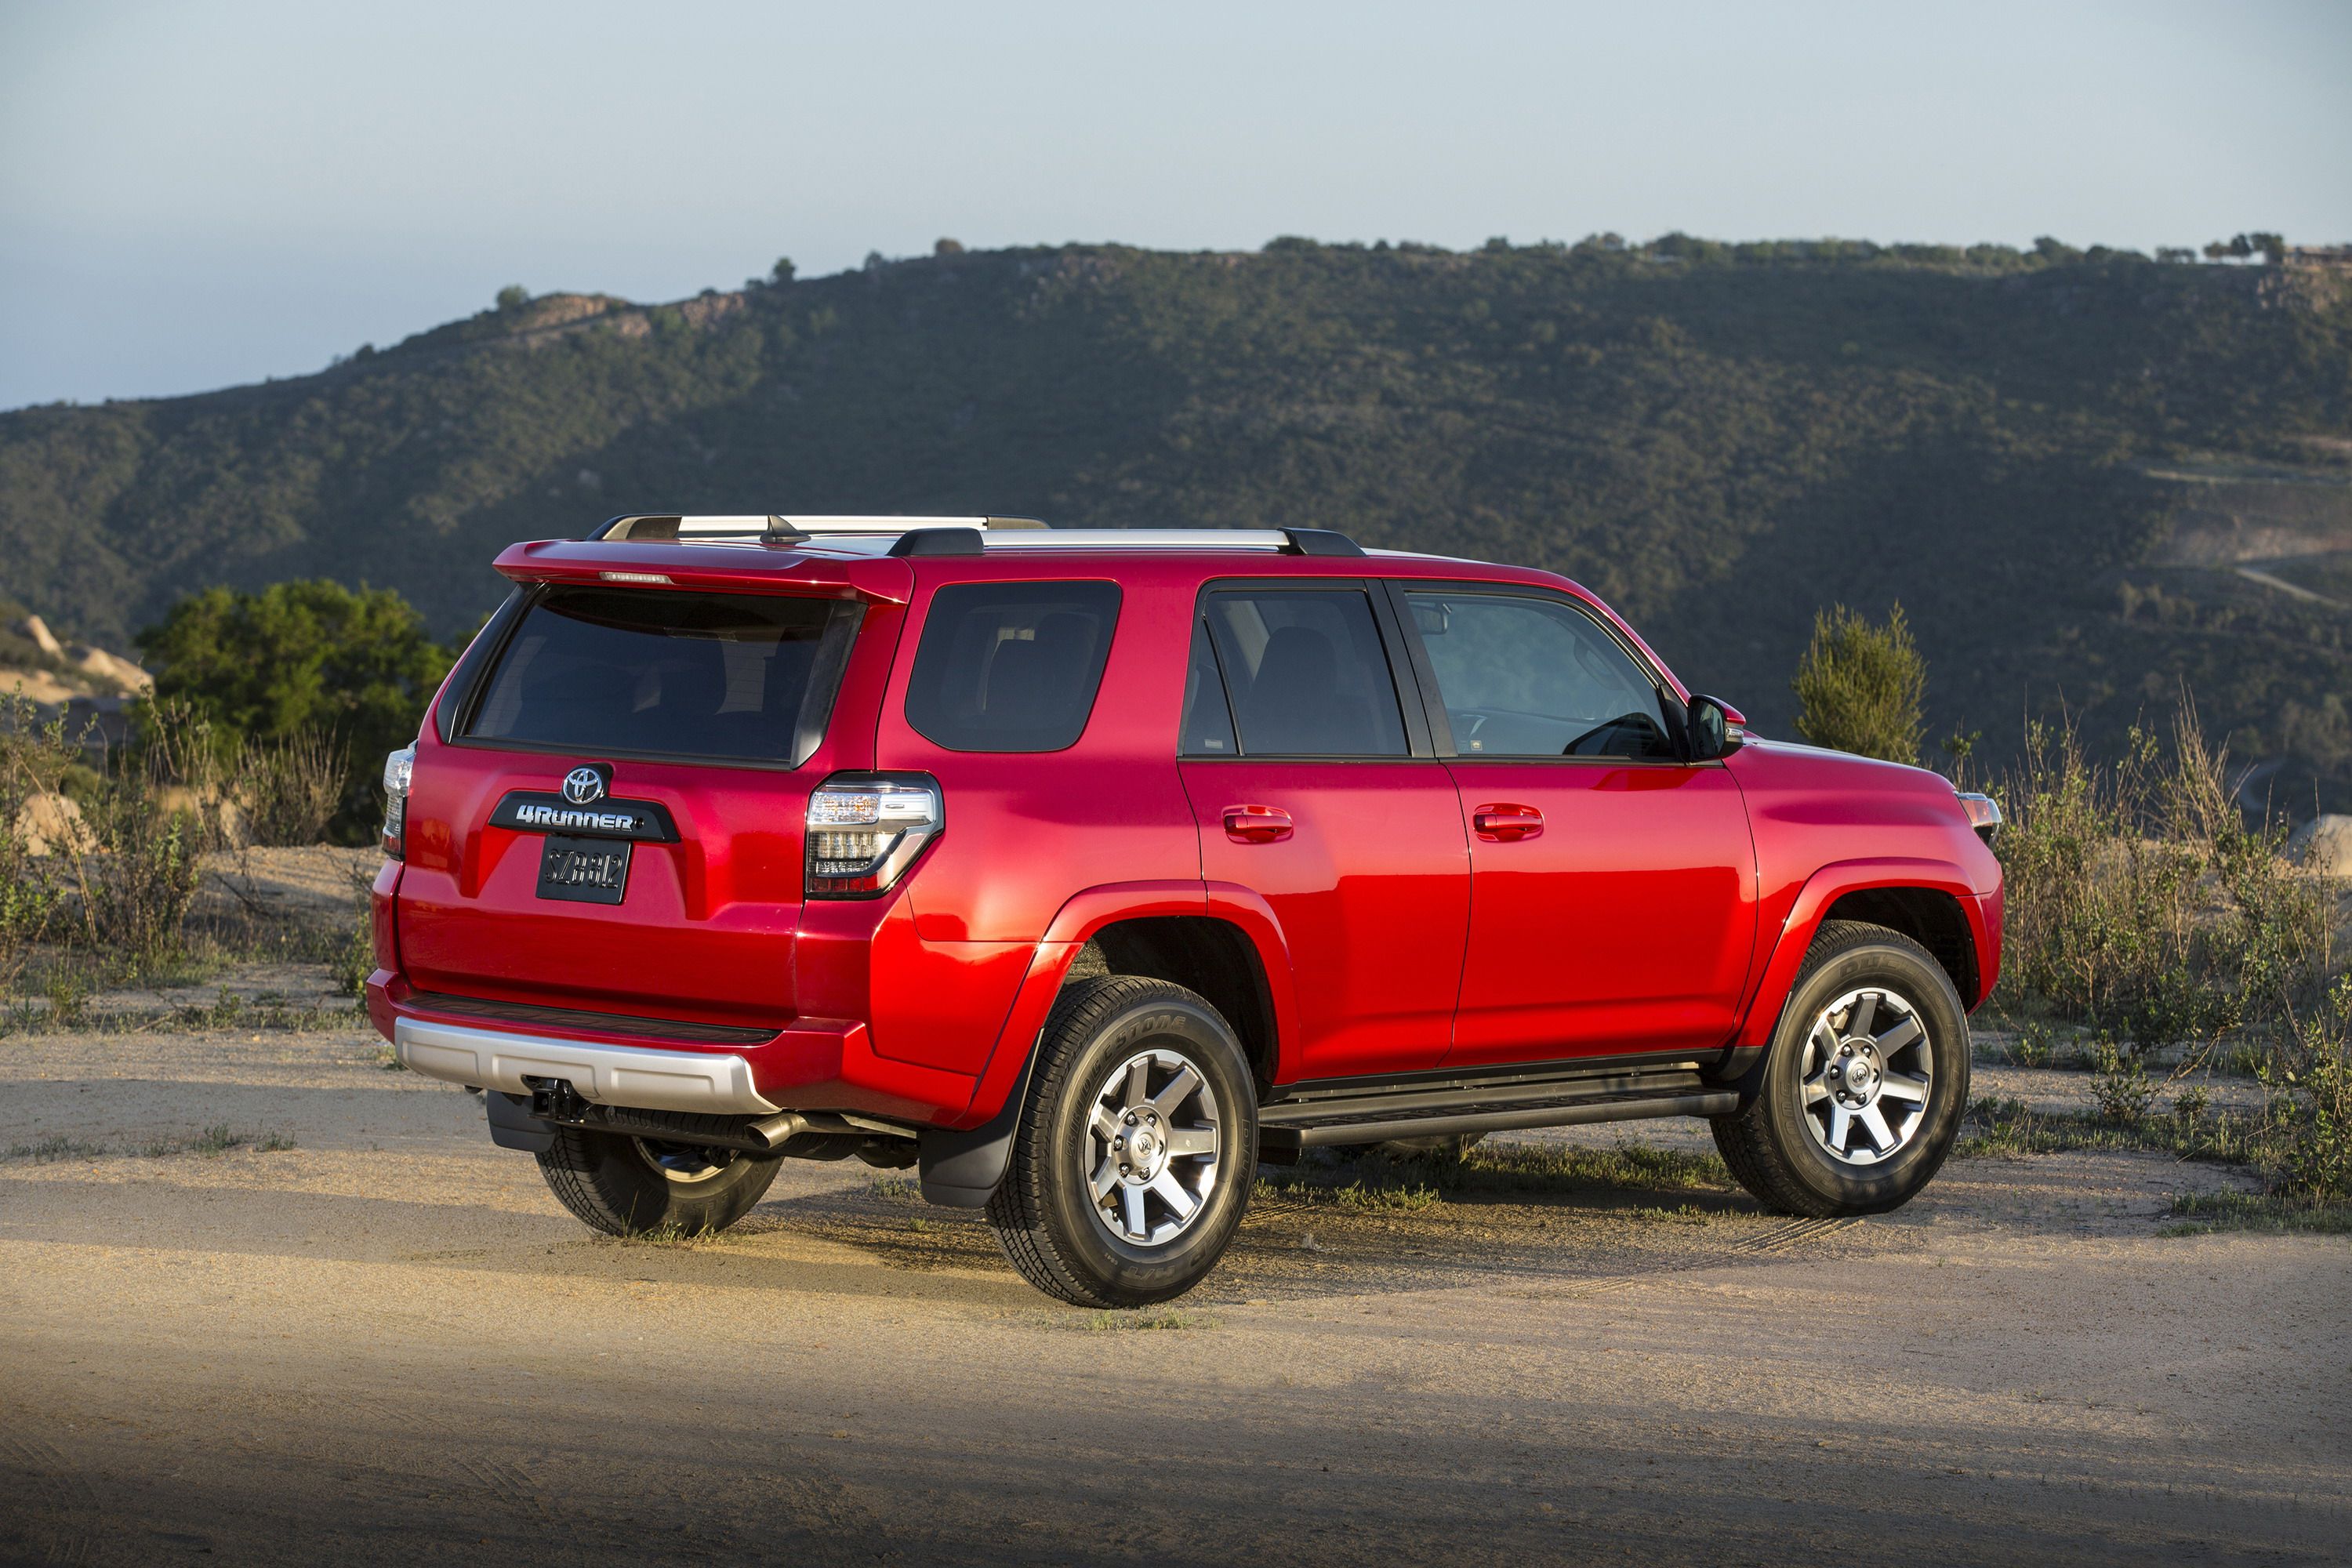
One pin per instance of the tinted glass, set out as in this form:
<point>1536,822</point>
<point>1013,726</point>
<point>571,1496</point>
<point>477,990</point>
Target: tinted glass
<point>642,672</point>
<point>1533,677</point>
<point>1010,667</point>
<point>1208,729</point>
<point>1307,674</point>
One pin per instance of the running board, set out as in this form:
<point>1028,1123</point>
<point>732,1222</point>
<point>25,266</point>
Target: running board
<point>1330,1128</point>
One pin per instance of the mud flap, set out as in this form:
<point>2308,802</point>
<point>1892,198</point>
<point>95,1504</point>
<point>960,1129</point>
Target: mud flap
<point>961,1170</point>
<point>512,1126</point>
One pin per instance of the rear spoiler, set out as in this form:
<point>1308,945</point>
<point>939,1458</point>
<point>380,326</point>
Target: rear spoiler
<point>639,562</point>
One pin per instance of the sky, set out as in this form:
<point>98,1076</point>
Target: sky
<point>193,196</point>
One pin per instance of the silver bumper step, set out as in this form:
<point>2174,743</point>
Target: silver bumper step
<point>648,1079</point>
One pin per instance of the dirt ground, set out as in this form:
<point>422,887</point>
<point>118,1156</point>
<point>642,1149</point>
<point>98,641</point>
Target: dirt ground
<point>386,1342</point>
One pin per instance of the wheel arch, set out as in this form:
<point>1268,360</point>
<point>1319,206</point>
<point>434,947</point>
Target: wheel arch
<point>1930,901</point>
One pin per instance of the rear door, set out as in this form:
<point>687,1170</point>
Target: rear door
<point>1613,903</point>
<point>609,813</point>
<point>1316,786</point>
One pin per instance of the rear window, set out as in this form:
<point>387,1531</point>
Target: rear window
<point>1010,667</point>
<point>640,673</point>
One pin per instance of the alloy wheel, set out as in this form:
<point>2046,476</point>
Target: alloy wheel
<point>1868,1069</point>
<point>1151,1148</point>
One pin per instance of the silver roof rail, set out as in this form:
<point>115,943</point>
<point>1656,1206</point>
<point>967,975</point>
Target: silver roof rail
<point>675,526</point>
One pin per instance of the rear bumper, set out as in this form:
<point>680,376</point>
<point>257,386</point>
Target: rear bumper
<point>812,1064</point>
<point>646,1078</point>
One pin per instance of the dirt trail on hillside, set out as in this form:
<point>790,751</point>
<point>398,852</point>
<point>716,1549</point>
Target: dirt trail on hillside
<point>388,1341</point>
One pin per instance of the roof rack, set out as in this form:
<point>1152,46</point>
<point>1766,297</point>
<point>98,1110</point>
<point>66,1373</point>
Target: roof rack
<point>972,535</point>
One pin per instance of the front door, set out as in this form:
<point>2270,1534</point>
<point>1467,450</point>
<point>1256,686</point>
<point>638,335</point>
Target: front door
<point>1317,788</point>
<point>1612,884</point>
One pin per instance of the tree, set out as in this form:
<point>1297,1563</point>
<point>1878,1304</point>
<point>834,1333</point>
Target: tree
<point>947,248</point>
<point>304,657</point>
<point>1860,686</point>
<point>782,272</point>
<point>512,297</point>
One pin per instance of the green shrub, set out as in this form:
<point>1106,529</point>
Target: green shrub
<point>1859,686</point>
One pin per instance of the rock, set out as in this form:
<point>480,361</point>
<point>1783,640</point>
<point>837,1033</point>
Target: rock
<point>37,631</point>
<point>50,823</point>
<point>2323,845</point>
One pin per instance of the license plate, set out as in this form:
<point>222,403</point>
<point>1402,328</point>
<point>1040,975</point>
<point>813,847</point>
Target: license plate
<point>585,870</point>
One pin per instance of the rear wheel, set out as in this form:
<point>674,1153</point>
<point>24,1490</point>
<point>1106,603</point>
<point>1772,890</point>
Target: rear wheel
<point>1135,1147</point>
<point>627,1186</point>
<point>1863,1089</point>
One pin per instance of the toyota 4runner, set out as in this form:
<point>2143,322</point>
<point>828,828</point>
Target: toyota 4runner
<point>1083,872</point>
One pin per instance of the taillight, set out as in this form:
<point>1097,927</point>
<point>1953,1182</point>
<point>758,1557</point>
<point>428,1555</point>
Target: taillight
<point>398,766</point>
<point>865,829</point>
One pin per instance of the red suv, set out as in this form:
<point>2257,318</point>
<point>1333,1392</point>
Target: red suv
<point>1086,870</point>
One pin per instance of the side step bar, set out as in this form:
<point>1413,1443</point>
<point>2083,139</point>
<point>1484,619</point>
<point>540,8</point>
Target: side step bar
<point>1274,1135</point>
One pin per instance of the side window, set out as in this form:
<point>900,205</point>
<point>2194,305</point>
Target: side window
<point>1208,728</point>
<point>1306,673</point>
<point>1534,678</point>
<point>1010,667</point>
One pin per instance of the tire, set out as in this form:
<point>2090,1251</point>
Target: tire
<point>1139,1244</point>
<point>1806,1142</point>
<point>627,1186</point>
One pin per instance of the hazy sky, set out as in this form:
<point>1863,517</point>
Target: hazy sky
<point>197,194</point>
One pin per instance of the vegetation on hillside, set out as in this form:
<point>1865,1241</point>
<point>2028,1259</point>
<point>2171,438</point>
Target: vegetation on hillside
<point>1717,438</point>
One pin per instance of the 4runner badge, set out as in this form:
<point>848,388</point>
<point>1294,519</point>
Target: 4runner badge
<point>583,787</point>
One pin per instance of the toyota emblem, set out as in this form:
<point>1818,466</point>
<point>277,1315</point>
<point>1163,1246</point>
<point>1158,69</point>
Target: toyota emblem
<point>583,787</point>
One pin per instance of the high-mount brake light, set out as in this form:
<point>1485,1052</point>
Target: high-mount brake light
<point>399,767</point>
<point>1984,814</point>
<point>865,829</point>
<point>635,577</point>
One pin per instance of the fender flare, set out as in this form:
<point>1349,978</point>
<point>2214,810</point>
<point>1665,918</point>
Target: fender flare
<point>1825,887</point>
<point>970,1158</point>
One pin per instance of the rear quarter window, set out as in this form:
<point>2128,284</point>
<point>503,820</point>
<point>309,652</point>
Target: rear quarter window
<point>1010,667</point>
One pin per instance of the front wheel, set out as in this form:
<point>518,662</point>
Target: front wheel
<point>1864,1086</point>
<point>626,1186</point>
<point>1135,1149</point>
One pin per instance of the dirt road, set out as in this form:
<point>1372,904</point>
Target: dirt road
<point>387,1342</point>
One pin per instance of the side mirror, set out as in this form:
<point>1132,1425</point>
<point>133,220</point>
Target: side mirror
<point>1716,729</point>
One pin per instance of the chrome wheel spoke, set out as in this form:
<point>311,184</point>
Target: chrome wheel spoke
<point>1901,1037</point>
<point>1130,1201</point>
<point>1192,1139</point>
<point>1106,1176</point>
<point>1179,1089</point>
<point>1816,1091</point>
<point>1138,1082</point>
<point>1882,1136</point>
<point>1895,1086</point>
<point>1865,1012</point>
<point>1172,1193</point>
<point>1106,1124</point>
<point>1841,1128</point>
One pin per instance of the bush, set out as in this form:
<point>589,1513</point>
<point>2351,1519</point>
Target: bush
<point>302,660</point>
<point>2141,899</point>
<point>1859,686</point>
<point>135,861</point>
<point>289,789</point>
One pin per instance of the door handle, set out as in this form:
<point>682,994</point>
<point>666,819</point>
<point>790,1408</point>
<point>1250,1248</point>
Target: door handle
<point>1256,824</point>
<point>1503,823</point>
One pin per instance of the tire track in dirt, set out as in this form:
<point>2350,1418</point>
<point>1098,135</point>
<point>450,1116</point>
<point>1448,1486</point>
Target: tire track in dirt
<point>1788,1238</point>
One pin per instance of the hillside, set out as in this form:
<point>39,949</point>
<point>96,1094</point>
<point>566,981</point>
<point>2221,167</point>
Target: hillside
<point>2088,477</point>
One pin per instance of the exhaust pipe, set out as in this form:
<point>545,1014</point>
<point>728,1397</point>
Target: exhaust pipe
<point>773,1133</point>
